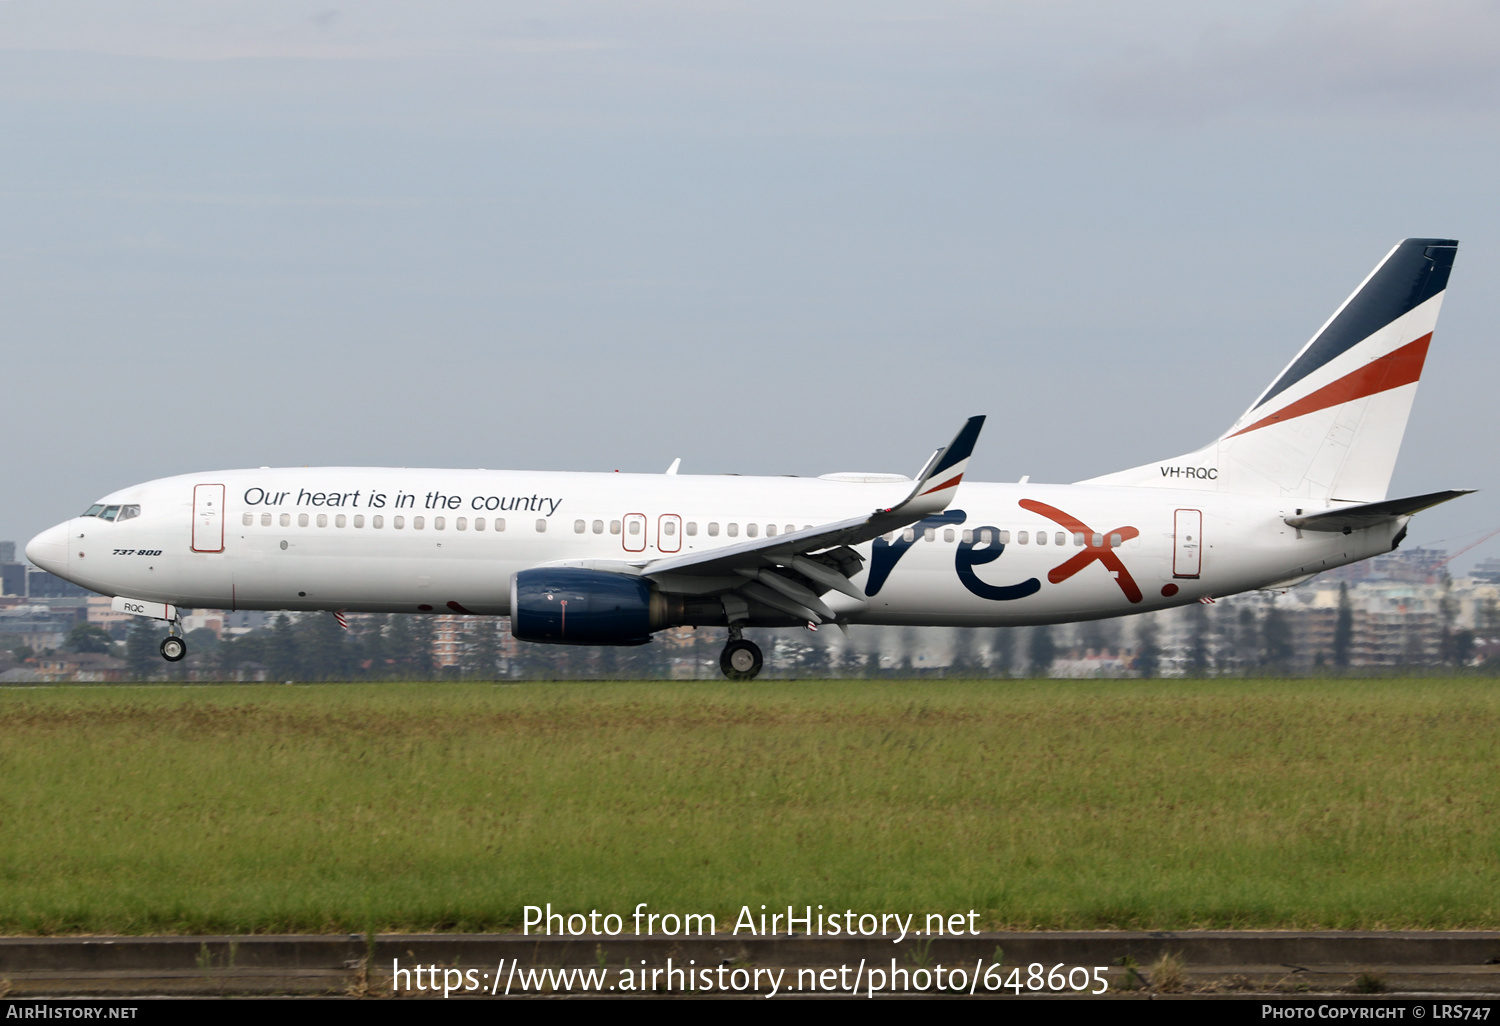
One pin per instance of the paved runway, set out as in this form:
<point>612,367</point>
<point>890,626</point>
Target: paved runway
<point>1063,964</point>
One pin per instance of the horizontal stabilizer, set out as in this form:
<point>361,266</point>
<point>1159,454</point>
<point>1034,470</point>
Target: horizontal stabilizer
<point>1352,518</point>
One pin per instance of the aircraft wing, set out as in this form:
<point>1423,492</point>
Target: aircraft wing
<point>1368,514</point>
<point>788,572</point>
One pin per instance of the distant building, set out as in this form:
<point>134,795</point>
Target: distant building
<point>34,626</point>
<point>41,584</point>
<point>448,640</point>
<point>80,666</point>
<point>201,619</point>
<point>1487,571</point>
<point>28,581</point>
<point>101,613</point>
<point>13,579</point>
<point>1412,566</point>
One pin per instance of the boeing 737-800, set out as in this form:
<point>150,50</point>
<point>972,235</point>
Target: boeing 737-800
<point>1295,486</point>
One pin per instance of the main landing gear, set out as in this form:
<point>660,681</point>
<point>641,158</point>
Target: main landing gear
<point>741,659</point>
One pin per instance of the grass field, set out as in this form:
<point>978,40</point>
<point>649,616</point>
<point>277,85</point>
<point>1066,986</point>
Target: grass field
<point>1096,804</point>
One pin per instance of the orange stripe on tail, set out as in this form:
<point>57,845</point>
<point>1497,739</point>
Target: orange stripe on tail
<point>1392,370</point>
<point>952,482</point>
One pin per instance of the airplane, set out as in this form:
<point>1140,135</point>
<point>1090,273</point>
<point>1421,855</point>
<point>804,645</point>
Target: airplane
<point>1297,485</point>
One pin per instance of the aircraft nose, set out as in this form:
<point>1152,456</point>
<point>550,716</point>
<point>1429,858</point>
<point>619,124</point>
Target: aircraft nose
<point>49,550</point>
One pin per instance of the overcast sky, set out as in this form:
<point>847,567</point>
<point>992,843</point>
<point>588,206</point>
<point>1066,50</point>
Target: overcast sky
<point>765,237</point>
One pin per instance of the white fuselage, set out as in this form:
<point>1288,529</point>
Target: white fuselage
<point>409,541</point>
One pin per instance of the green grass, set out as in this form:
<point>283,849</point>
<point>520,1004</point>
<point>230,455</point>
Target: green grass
<point>1099,804</point>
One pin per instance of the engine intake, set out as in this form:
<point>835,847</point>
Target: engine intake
<point>573,606</point>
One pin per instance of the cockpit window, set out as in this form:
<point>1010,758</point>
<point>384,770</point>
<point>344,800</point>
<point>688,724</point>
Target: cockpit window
<point>113,512</point>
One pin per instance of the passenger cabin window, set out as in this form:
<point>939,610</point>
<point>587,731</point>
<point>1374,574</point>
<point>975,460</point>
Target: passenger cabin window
<point>669,528</point>
<point>909,534</point>
<point>1115,541</point>
<point>461,524</point>
<point>1005,537</point>
<point>479,523</point>
<point>1021,537</point>
<point>377,522</point>
<point>541,526</point>
<point>614,527</point>
<point>770,530</point>
<point>417,523</point>
<point>968,537</point>
<point>265,520</point>
<point>248,519</point>
<point>579,527</point>
<point>752,530</point>
<point>1077,538</point>
<point>438,523</point>
<point>733,530</point>
<point>286,520</point>
<point>635,527</point>
<point>322,519</point>
<point>340,520</point>
<point>598,527</point>
<point>790,528</point>
<point>1041,537</point>
<point>359,520</point>
<point>398,522</point>
<point>713,528</point>
<point>692,528</point>
<point>929,534</point>
<point>1060,538</point>
<point>947,534</point>
<point>499,523</point>
<point>301,519</point>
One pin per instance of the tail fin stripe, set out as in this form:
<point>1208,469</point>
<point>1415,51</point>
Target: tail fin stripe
<point>1402,367</point>
<point>1412,273</point>
<point>952,482</point>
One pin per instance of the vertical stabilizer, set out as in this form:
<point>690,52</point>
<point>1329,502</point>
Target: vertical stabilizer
<point>1330,425</point>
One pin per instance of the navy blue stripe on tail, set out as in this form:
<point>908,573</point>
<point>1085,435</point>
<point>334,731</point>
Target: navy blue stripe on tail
<point>1413,274</point>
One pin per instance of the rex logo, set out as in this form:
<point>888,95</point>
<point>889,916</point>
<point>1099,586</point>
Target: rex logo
<point>977,552</point>
<point>1103,551</point>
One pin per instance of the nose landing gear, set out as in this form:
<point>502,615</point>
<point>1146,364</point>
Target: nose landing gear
<point>741,659</point>
<point>173,646</point>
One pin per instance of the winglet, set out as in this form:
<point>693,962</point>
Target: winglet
<point>938,481</point>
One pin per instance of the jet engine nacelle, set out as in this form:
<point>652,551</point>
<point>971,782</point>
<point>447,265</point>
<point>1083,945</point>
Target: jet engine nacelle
<point>572,606</point>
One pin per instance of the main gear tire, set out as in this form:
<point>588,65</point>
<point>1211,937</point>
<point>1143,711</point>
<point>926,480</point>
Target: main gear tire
<point>741,660</point>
